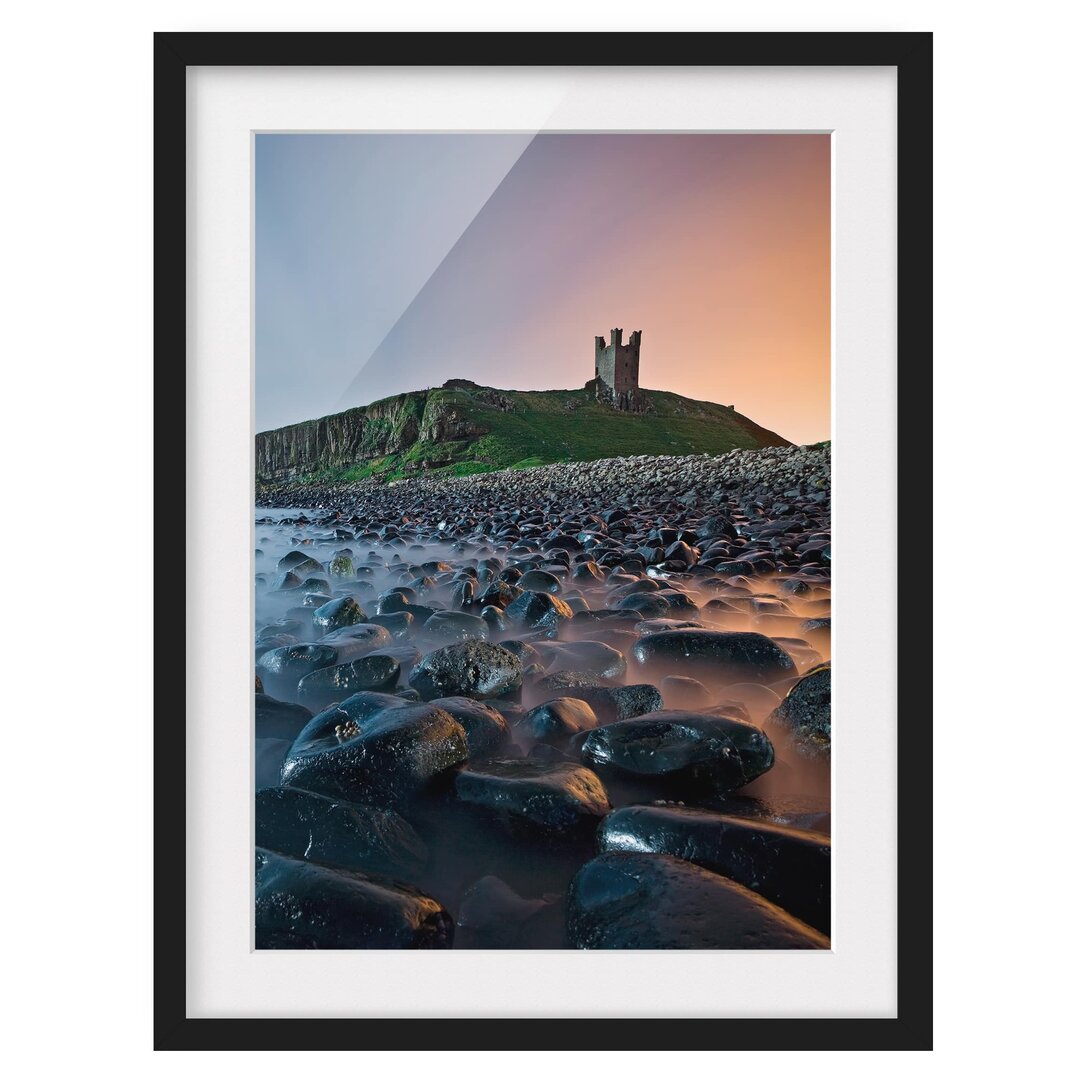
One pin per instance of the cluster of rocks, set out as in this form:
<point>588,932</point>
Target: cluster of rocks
<point>613,482</point>
<point>585,705</point>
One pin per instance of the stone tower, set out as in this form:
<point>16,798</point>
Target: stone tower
<point>617,372</point>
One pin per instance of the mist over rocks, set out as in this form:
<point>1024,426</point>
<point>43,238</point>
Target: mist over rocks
<point>515,669</point>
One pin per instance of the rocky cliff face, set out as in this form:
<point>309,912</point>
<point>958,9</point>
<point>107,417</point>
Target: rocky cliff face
<point>392,426</point>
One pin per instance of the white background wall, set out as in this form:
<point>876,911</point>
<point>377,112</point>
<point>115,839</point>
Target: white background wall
<point>76,428</point>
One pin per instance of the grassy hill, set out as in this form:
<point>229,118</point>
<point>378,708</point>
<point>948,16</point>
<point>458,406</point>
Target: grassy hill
<point>465,428</point>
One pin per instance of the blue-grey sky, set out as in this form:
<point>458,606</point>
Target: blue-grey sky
<point>387,263</point>
<point>347,230</point>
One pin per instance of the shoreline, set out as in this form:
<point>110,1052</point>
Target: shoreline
<point>803,470</point>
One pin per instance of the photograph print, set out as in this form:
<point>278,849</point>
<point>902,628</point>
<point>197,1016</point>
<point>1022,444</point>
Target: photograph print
<point>542,541</point>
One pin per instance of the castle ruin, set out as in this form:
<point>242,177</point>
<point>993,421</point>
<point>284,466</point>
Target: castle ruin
<point>616,379</point>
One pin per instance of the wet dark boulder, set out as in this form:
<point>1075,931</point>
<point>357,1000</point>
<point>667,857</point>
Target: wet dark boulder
<point>559,719</point>
<point>285,582</point>
<point>279,719</point>
<point>538,610</point>
<point>715,527</point>
<point>282,668</point>
<point>806,712</point>
<point>713,656</point>
<point>647,605</point>
<point>494,618</point>
<point>549,686</point>
<point>588,573</point>
<point>344,611</point>
<point>394,601</point>
<point>729,567</point>
<point>299,562</point>
<point>611,703</point>
<point>385,760</point>
<point>376,671</point>
<point>687,751</point>
<point>629,900</point>
<point>682,552</point>
<point>540,581</point>
<point>462,593</point>
<point>398,624</point>
<point>352,713</point>
<point>655,626</point>
<point>302,905</point>
<point>449,626</point>
<point>498,594</point>
<point>306,825</point>
<point>788,866</point>
<point>285,627</point>
<point>593,657</point>
<point>267,640</point>
<point>527,653</point>
<point>356,640</point>
<point>475,669</point>
<point>554,797</point>
<point>486,729</point>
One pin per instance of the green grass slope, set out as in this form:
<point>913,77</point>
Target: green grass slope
<point>544,428</point>
<point>465,428</point>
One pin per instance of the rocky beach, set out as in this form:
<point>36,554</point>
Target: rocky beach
<point>583,705</point>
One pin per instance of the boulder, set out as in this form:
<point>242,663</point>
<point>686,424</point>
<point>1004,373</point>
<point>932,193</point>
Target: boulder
<point>806,712</point>
<point>559,719</point>
<point>344,611</point>
<point>448,626</point>
<point>475,669</point>
<point>486,729</point>
<point>302,905</point>
<point>715,656</point>
<point>306,825</point>
<point>538,610</point>
<point>629,900</point>
<point>788,866</point>
<point>389,758</point>
<point>554,797</point>
<point>693,752</point>
<point>591,657</point>
<point>376,671</point>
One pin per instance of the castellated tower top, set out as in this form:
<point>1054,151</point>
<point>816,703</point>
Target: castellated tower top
<point>617,369</point>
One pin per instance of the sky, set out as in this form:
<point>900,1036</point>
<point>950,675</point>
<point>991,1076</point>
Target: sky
<point>393,262</point>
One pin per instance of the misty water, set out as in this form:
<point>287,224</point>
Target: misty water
<point>503,882</point>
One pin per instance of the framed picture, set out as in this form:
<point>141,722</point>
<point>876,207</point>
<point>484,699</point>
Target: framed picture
<point>523,406</point>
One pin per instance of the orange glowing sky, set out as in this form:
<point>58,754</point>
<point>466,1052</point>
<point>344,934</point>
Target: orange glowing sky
<point>715,246</point>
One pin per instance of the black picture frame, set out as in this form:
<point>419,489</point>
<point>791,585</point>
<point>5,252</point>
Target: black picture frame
<point>911,55</point>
